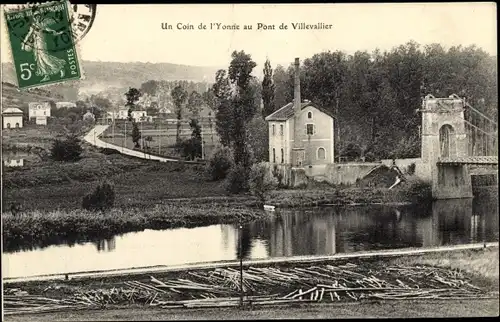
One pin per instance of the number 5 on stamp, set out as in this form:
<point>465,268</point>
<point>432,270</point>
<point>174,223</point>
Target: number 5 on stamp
<point>43,45</point>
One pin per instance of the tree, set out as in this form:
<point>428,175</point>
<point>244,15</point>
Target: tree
<point>258,138</point>
<point>179,96</point>
<point>268,90</point>
<point>261,181</point>
<point>150,87</point>
<point>195,103</point>
<point>210,99</point>
<point>132,96</point>
<point>283,87</point>
<point>136,134</point>
<point>222,93</point>
<point>192,147</point>
<point>243,104</point>
<point>196,139</point>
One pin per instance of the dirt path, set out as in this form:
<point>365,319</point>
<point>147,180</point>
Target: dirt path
<point>393,309</point>
<point>93,138</point>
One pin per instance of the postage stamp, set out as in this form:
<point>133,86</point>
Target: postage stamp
<point>43,41</point>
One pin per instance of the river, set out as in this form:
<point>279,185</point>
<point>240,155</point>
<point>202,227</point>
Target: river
<point>319,231</point>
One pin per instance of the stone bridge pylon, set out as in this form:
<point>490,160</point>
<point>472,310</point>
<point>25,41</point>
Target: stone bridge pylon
<point>445,146</point>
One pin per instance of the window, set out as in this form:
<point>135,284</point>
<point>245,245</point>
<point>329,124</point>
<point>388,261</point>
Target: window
<point>321,154</point>
<point>274,129</point>
<point>309,115</point>
<point>309,129</point>
<point>281,129</point>
<point>274,155</point>
<point>282,156</point>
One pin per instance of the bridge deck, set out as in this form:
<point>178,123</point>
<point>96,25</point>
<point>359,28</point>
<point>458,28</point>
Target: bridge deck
<point>486,160</point>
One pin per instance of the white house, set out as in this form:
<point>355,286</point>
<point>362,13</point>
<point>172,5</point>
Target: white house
<point>39,111</point>
<point>122,114</point>
<point>301,133</point>
<point>140,116</point>
<point>13,163</point>
<point>12,118</point>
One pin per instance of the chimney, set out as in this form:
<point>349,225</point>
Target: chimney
<point>296,91</point>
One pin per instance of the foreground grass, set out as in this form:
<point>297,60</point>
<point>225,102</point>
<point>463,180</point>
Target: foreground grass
<point>401,309</point>
<point>36,228</point>
<point>482,263</point>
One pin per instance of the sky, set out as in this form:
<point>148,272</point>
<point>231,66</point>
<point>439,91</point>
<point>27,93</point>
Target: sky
<point>129,33</point>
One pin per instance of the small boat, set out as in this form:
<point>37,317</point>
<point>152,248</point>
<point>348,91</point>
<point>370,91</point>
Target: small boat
<point>269,208</point>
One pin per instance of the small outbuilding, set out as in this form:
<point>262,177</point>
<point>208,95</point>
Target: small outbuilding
<point>12,118</point>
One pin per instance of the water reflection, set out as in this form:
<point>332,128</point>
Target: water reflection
<point>105,245</point>
<point>322,231</point>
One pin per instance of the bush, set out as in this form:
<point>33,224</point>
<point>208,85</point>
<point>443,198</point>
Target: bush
<point>411,169</point>
<point>261,180</point>
<point>101,199</point>
<point>236,180</point>
<point>189,149</point>
<point>109,151</point>
<point>220,163</point>
<point>278,175</point>
<point>67,150</point>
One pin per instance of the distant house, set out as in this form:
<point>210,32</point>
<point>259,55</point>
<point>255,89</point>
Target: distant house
<point>12,118</point>
<point>88,116</point>
<point>141,116</point>
<point>301,133</point>
<point>11,163</point>
<point>65,105</point>
<point>122,114</point>
<point>39,112</point>
<point>164,111</point>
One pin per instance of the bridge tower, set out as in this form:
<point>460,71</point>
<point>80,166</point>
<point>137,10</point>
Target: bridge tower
<point>444,137</point>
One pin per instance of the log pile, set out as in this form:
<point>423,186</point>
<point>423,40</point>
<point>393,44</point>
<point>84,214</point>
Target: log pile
<point>221,287</point>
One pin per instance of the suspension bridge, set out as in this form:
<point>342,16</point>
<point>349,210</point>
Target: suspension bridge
<point>458,141</point>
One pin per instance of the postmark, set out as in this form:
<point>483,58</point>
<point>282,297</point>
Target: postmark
<point>43,44</point>
<point>81,17</point>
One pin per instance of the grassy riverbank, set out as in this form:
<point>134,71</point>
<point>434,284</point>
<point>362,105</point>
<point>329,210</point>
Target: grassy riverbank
<point>412,191</point>
<point>468,268</point>
<point>37,228</point>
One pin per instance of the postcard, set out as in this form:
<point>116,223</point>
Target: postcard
<point>164,161</point>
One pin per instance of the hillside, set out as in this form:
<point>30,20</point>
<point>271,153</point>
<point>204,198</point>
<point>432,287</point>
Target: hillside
<point>100,76</point>
<point>11,97</point>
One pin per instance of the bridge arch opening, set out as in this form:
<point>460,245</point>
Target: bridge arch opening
<point>447,143</point>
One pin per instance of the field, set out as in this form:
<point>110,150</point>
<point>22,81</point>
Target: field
<point>163,136</point>
<point>29,136</point>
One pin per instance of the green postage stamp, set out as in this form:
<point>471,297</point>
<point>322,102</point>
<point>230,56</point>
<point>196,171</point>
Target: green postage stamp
<point>43,45</point>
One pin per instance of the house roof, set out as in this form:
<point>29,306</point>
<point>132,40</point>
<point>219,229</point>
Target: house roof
<point>287,111</point>
<point>12,110</point>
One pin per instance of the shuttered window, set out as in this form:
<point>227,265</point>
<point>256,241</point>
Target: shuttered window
<point>310,129</point>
